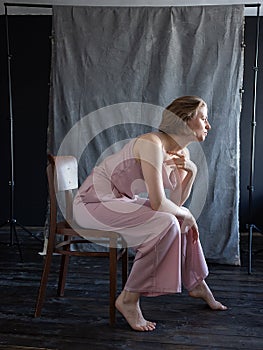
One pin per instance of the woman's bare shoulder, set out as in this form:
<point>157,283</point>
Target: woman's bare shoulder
<point>151,136</point>
<point>148,141</point>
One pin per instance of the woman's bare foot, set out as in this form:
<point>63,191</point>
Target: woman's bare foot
<point>203,291</point>
<point>127,304</point>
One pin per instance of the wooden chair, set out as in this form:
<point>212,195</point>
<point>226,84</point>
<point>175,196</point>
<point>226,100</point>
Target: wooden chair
<point>62,174</point>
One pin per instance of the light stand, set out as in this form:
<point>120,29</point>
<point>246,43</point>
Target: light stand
<point>12,222</point>
<point>250,187</point>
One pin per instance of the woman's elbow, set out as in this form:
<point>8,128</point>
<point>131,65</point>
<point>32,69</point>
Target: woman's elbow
<point>155,207</point>
<point>156,204</point>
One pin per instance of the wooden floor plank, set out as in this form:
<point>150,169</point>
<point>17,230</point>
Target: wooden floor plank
<point>79,320</point>
<point>15,347</point>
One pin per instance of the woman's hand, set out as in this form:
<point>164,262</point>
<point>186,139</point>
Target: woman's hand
<point>189,222</point>
<point>182,162</point>
<point>185,172</point>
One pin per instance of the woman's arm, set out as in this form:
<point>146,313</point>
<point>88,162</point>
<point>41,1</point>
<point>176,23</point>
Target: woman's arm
<point>149,151</point>
<point>185,173</point>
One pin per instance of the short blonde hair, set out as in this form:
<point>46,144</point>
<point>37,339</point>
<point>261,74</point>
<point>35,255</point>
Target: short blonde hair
<point>176,115</point>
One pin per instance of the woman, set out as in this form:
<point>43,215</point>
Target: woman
<point>164,234</point>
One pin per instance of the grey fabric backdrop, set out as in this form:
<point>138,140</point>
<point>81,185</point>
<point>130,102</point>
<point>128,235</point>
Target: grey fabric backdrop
<point>110,63</point>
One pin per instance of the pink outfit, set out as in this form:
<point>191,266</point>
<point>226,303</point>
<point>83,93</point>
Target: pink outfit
<point>109,200</point>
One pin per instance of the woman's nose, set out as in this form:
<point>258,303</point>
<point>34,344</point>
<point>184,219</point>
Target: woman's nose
<point>208,126</point>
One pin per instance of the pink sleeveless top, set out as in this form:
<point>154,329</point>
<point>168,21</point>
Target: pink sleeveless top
<point>118,177</point>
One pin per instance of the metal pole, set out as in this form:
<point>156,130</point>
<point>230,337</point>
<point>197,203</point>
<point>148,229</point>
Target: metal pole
<point>11,220</point>
<point>250,187</point>
<point>26,5</point>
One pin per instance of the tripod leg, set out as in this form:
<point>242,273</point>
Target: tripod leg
<point>31,234</point>
<point>13,233</point>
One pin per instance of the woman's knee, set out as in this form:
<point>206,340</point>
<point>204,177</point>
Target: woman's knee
<point>172,221</point>
<point>173,226</point>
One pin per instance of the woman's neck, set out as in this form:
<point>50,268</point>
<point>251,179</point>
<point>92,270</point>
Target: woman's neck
<point>173,143</point>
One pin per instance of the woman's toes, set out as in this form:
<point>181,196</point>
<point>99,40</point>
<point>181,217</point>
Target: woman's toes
<point>222,307</point>
<point>150,326</point>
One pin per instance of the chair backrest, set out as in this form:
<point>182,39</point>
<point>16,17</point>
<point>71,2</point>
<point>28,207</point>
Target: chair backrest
<point>62,175</point>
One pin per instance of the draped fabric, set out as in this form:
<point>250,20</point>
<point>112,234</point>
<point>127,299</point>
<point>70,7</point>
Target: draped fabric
<point>114,69</point>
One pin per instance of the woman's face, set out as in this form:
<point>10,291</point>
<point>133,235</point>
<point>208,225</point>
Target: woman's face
<point>199,124</point>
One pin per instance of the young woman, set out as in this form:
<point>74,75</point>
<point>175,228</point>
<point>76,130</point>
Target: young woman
<point>164,233</point>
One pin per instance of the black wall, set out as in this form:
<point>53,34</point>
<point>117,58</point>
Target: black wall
<point>30,68</point>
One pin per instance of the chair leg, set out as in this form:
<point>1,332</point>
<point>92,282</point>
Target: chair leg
<point>124,267</point>
<point>64,262</point>
<point>62,275</point>
<point>44,280</point>
<point>113,283</point>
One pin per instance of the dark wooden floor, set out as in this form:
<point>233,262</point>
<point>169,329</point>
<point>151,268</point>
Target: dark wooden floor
<point>80,319</point>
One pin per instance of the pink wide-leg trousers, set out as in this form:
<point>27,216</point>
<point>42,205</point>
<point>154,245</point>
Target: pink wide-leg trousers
<point>165,257</point>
